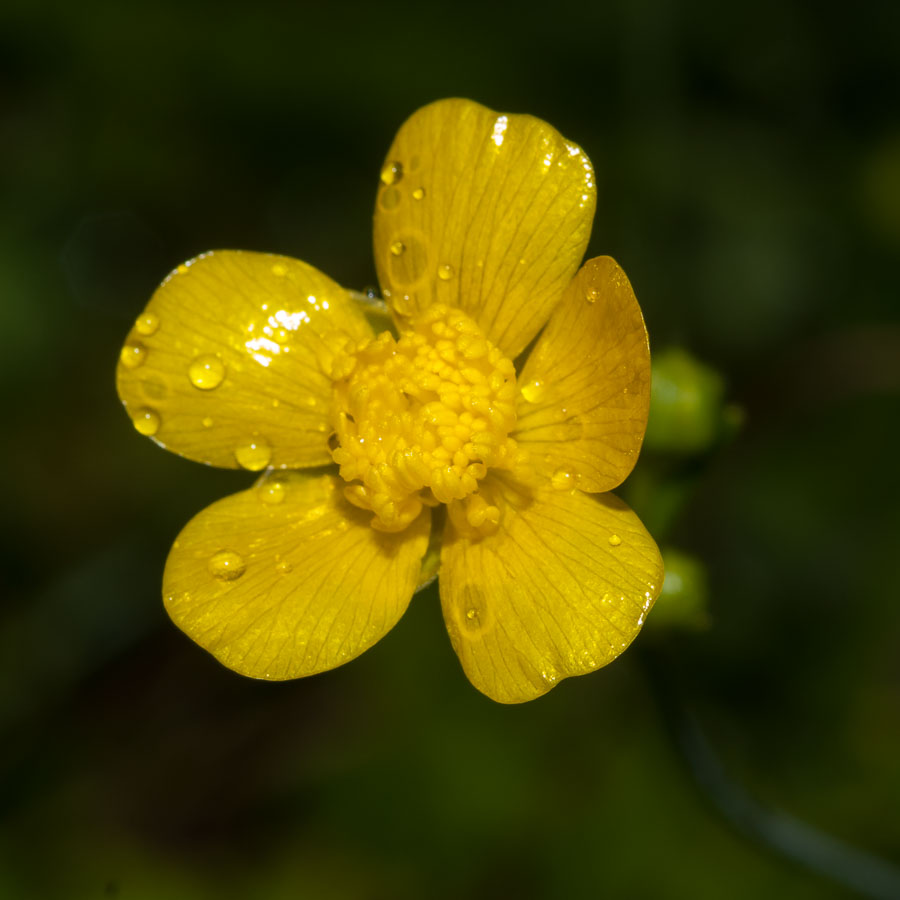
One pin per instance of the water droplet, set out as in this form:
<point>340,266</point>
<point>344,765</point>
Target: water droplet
<point>281,335</point>
<point>182,269</point>
<point>254,455</point>
<point>402,305</point>
<point>206,372</point>
<point>283,567</point>
<point>146,421</point>
<point>226,565</point>
<point>445,272</point>
<point>272,492</point>
<point>146,324</point>
<point>534,390</point>
<point>614,540</point>
<point>207,422</point>
<point>563,479</point>
<point>418,193</point>
<point>592,296</point>
<point>392,172</point>
<point>474,612</point>
<point>279,270</point>
<point>410,265</point>
<point>390,199</point>
<point>133,354</point>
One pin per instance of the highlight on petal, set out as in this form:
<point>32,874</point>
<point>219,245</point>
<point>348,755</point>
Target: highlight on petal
<point>560,589</point>
<point>491,213</point>
<point>585,389</point>
<point>228,364</point>
<point>288,579</point>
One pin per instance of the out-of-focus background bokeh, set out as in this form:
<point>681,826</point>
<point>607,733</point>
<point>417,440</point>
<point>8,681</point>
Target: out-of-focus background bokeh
<point>748,745</point>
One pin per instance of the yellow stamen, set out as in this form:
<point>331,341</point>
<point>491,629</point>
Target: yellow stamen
<point>421,420</point>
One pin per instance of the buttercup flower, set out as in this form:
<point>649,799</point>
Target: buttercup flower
<point>432,435</point>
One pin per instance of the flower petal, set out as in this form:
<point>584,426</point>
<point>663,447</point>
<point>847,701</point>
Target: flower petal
<point>288,579</point>
<point>585,389</point>
<point>491,213</point>
<point>228,363</point>
<point>560,589</point>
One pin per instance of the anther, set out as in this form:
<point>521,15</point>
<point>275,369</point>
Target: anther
<point>422,418</point>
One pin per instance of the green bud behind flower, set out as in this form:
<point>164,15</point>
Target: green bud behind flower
<point>683,602</point>
<point>687,410</point>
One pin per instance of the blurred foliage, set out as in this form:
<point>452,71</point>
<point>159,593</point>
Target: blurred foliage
<point>748,162</point>
<point>687,410</point>
<point>684,599</point>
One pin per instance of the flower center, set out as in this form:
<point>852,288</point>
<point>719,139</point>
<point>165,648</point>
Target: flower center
<point>420,420</point>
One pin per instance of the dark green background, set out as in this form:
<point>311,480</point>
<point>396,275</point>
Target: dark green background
<point>748,164</point>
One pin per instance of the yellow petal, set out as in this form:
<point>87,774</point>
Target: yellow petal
<point>585,389</point>
<point>491,213</point>
<point>560,589</point>
<point>288,579</point>
<point>228,363</point>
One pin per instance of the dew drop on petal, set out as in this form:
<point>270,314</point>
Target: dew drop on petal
<point>445,272</point>
<point>272,492</point>
<point>206,372</point>
<point>563,479</point>
<point>392,172</point>
<point>226,565</point>
<point>408,262</point>
<point>592,295</point>
<point>254,455</point>
<point>418,193</point>
<point>146,421</point>
<point>133,354</point>
<point>390,199</point>
<point>207,422</point>
<point>146,324</point>
<point>279,270</point>
<point>534,390</point>
<point>476,615</point>
<point>283,567</point>
<point>614,540</point>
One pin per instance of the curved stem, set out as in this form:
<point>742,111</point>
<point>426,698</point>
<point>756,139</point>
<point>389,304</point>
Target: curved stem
<point>790,837</point>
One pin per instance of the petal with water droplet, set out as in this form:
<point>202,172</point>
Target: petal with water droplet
<point>504,203</point>
<point>235,332</point>
<point>287,589</point>
<point>594,359</point>
<point>520,628</point>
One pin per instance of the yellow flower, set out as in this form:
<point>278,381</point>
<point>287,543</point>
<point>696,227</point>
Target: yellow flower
<point>262,362</point>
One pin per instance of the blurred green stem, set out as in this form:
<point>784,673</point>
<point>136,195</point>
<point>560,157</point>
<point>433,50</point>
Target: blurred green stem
<point>862,872</point>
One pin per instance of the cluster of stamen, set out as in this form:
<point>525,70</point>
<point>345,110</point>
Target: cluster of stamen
<point>420,420</point>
